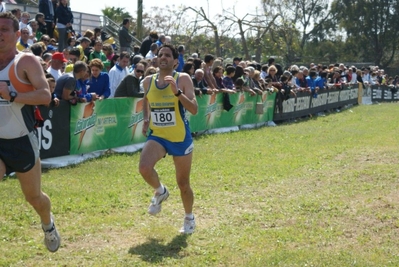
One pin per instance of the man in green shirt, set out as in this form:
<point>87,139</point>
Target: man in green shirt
<point>98,53</point>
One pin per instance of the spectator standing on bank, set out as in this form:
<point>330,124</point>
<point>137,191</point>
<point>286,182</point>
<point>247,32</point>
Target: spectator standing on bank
<point>130,85</point>
<point>118,72</point>
<point>153,51</point>
<point>47,9</point>
<point>146,44</point>
<point>125,40</point>
<point>64,20</point>
<point>181,50</point>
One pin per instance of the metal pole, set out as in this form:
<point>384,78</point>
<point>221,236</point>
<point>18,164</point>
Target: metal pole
<point>139,19</point>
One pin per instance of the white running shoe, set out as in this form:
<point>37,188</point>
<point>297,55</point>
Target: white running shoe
<point>156,202</point>
<point>52,239</point>
<point>188,226</point>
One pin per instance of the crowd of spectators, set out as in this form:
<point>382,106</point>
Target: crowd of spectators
<point>89,68</point>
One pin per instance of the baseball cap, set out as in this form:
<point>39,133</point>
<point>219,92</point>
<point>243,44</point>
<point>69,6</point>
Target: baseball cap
<point>237,58</point>
<point>59,56</point>
<point>84,39</point>
<point>51,48</point>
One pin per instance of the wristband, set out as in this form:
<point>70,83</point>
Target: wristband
<point>179,92</point>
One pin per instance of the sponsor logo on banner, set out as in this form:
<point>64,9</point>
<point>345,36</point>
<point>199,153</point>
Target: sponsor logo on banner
<point>210,109</point>
<point>87,121</point>
<point>302,103</point>
<point>319,101</point>
<point>136,117</point>
<point>333,97</point>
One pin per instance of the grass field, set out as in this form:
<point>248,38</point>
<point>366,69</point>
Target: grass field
<point>320,192</point>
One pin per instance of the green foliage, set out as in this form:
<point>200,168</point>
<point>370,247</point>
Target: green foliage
<point>322,192</point>
<point>117,14</point>
<point>374,24</point>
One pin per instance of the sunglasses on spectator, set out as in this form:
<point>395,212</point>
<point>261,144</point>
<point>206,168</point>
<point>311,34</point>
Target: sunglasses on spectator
<point>140,71</point>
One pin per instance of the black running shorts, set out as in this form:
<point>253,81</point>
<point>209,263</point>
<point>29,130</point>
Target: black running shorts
<point>19,154</point>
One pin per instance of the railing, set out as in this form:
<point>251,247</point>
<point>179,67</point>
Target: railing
<point>112,28</point>
<point>81,21</point>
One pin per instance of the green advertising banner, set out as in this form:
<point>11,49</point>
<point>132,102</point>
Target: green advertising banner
<point>118,122</point>
<point>211,114</point>
<point>106,124</point>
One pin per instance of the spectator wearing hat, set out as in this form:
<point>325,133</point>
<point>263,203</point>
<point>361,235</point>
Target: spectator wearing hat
<point>125,40</point>
<point>146,44</point>
<point>51,49</point>
<point>57,61</point>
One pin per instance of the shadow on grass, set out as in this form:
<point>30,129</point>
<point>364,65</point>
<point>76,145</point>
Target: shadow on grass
<point>153,251</point>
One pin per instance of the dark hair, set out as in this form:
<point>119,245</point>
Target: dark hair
<point>230,70</point>
<point>217,69</point>
<point>283,78</point>
<point>125,21</point>
<point>187,67</point>
<point>75,52</point>
<point>124,54</point>
<point>113,60</point>
<point>70,39</point>
<point>36,49</point>
<point>180,48</point>
<point>312,73</point>
<point>239,72</point>
<point>208,58</point>
<point>79,66</point>
<point>197,63</point>
<point>270,61</point>
<point>172,48</point>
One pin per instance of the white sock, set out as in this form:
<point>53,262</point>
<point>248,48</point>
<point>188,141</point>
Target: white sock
<point>190,216</point>
<point>47,227</point>
<point>160,190</point>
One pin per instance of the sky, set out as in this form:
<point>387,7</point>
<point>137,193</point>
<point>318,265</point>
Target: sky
<point>211,7</point>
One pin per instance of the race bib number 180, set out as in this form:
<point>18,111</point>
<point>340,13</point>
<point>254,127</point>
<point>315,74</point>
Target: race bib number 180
<point>163,117</point>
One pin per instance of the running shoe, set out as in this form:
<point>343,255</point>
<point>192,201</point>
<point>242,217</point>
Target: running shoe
<point>52,239</point>
<point>188,226</point>
<point>156,202</point>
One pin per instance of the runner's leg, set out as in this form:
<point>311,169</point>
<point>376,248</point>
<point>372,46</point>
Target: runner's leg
<point>152,152</point>
<point>183,168</point>
<point>31,187</point>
